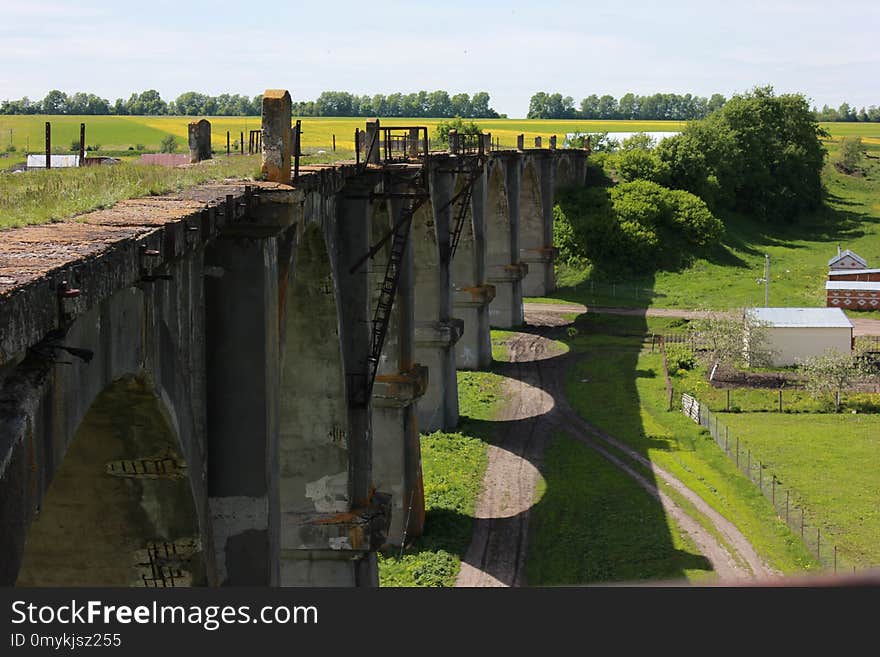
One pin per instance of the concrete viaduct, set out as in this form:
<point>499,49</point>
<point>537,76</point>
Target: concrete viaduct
<point>187,395</point>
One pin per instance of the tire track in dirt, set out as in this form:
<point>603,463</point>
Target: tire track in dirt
<point>537,407</point>
<point>496,555</point>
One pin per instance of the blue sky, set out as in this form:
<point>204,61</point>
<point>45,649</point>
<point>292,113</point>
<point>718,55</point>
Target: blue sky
<point>828,51</point>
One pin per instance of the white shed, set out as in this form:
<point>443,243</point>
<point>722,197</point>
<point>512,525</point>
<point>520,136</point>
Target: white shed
<point>795,334</point>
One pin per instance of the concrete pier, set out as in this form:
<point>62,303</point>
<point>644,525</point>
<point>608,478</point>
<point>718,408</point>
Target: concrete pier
<point>187,374</point>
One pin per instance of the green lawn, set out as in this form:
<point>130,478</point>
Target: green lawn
<point>618,386</point>
<point>830,460</point>
<point>453,465</point>
<point>593,523</point>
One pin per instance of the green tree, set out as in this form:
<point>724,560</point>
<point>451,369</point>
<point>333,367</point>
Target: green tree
<point>831,373</point>
<point>55,102</point>
<point>732,340</point>
<point>850,157</point>
<point>762,151</point>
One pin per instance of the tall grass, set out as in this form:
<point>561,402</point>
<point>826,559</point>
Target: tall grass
<point>42,196</point>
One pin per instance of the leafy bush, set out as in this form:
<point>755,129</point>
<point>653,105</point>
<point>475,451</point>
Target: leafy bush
<point>850,157</point>
<point>761,151</point>
<point>634,164</point>
<point>597,142</point>
<point>679,357</point>
<point>458,124</point>
<point>634,227</point>
<point>641,141</point>
<point>168,144</point>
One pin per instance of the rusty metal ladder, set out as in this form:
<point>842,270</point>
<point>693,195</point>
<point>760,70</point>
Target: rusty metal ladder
<point>464,197</point>
<point>388,291</point>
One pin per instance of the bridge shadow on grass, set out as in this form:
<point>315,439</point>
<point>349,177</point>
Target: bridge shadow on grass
<point>587,521</point>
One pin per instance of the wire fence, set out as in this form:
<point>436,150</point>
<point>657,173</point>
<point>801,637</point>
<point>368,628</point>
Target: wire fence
<point>601,293</point>
<point>788,504</point>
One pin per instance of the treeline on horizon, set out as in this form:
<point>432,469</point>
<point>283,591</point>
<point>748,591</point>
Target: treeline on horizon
<point>422,104</point>
<point>663,107</point>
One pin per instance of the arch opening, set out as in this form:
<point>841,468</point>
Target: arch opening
<point>119,510</point>
<point>531,222</point>
<point>564,176</point>
<point>498,224</point>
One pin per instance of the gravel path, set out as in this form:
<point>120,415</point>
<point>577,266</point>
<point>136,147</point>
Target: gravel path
<point>536,408</point>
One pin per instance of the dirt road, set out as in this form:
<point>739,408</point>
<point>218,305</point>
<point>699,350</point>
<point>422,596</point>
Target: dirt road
<point>861,326</point>
<point>536,408</point>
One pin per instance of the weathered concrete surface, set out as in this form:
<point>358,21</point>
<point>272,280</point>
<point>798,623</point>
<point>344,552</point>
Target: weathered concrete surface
<point>505,271</point>
<point>400,383</point>
<point>470,289</point>
<point>233,307</point>
<point>436,330</point>
<point>536,224</point>
<point>276,137</point>
<point>199,141</point>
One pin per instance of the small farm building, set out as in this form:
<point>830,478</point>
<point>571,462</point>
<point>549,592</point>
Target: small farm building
<point>795,334</point>
<point>853,294</point>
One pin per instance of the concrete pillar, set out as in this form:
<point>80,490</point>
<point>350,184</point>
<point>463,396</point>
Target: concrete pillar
<point>276,135</point>
<point>436,330</point>
<point>199,141</point>
<point>331,520</point>
<point>372,145</point>
<point>241,305</point>
<point>506,271</point>
<point>520,142</point>
<point>414,142</point>
<point>537,142</point>
<point>397,463</point>
<point>487,141</point>
<point>454,142</point>
<point>553,142</point>
<point>471,293</point>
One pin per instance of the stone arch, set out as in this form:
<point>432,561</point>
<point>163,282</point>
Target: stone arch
<point>120,509</point>
<point>136,340</point>
<point>531,217</point>
<point>498,225</point>
<point>428,275</point>
<point>564,175</point>
<point>465,265</point>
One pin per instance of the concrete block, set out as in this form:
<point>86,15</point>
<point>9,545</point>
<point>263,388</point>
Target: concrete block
<point>277,146</point>
<point>199,141</point>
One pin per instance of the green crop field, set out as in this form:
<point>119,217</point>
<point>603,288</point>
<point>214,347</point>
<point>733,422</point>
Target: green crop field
<point>118,133</point>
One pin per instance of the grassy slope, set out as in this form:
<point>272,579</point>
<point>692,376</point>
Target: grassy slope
<point>619,387</point>
<point>798,256</point>
<point>830,460</point>
<point>453,465</point>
